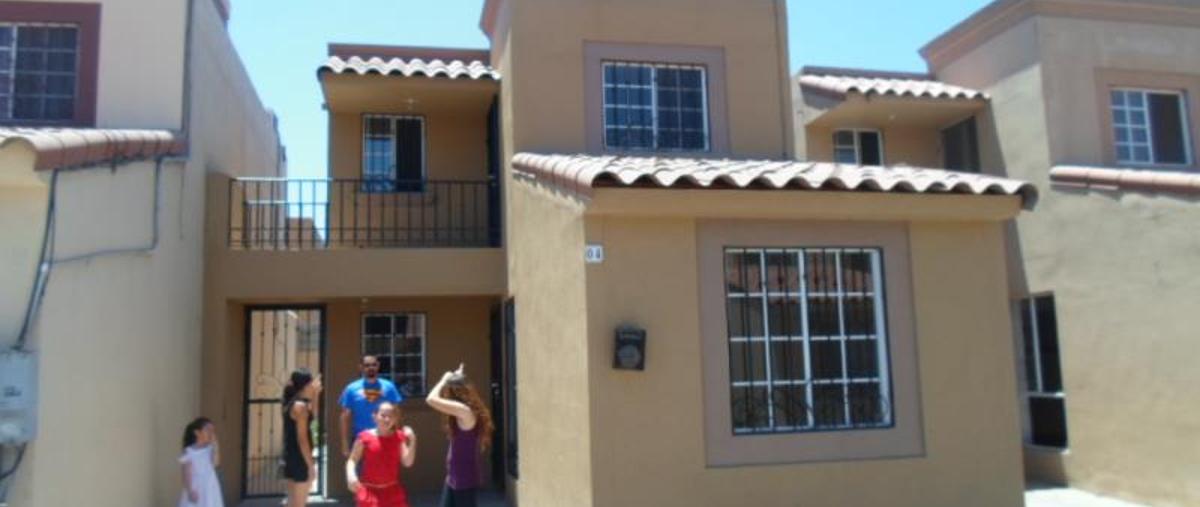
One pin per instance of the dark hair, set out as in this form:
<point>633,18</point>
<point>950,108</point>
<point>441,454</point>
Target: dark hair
<point>189,433</point>
<point>301,378</point>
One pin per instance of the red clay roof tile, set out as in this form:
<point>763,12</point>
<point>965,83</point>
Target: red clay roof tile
<point>75,147</point>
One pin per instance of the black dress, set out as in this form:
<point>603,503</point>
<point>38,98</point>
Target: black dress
<point>295,467</point>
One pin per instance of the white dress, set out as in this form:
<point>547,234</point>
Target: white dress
<point>204,478</point>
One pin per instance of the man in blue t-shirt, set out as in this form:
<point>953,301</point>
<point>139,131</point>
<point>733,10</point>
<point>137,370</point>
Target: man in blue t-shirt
<point>360,399</point>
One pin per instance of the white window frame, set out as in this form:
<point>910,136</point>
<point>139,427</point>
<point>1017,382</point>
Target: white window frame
<point>392,169</point>
<point>857,146</point>
<point>802,294</point>
<point>392,354</point>
<point>11,92</point>
<point>654,128</point>
<point>1129,127</point>
<point>1028,306</point>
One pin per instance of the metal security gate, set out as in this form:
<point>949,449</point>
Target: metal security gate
<point>279,339</point>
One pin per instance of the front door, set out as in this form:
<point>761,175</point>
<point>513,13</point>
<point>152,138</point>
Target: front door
<point>279,339</point>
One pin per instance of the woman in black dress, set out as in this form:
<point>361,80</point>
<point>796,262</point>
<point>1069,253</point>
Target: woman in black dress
<point>299,406</point>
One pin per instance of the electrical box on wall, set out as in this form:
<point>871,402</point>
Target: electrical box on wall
<point>18,397</point>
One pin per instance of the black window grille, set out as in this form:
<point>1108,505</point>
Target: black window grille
<point>398,341</point>
<point>807,339</point>
<point>655,107</point>
<point>38,71</point>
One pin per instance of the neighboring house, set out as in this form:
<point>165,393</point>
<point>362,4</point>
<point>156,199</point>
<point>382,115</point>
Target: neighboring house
<point>601,215</point>
<point>1097,103</point>
<point>113,113</point>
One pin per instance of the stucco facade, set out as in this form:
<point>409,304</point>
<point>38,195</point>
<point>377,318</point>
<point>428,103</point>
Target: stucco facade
<point>119,332</point>
<point>1123,330</point>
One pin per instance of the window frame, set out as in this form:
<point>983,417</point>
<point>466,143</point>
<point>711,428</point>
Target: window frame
<point>710,57</point>
<point>394,170</point>
<point>392,316</point>
<point>654,68</point>
<point>882,378</point>
<point>86,18</point>
<point>1027,308</point>
<point>857,147</point>
<point>1185,125</point>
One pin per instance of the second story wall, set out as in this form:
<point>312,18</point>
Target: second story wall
<point>556,51</point>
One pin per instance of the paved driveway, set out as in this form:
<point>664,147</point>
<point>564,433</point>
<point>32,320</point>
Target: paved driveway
<point>1070,498</point>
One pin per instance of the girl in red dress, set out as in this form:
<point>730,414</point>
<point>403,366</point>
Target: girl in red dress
<point>382,451</point>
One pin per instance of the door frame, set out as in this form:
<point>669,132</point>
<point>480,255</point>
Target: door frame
<point>320,444</point>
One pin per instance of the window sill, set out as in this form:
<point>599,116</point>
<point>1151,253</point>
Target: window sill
<point>1045,449</point>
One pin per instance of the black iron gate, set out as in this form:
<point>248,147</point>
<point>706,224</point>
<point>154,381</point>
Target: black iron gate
<point>279,339</point>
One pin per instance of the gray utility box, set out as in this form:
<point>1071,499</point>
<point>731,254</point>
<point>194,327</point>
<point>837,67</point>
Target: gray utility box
<point>18,397</point>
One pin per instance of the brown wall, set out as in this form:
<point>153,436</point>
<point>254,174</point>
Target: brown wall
<point>648,443</point>
<point>1124,351</point>
<point>905,145</point>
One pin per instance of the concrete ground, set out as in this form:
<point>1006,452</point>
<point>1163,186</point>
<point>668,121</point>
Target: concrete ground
<point>486,499</point>
<point>1065,497</point>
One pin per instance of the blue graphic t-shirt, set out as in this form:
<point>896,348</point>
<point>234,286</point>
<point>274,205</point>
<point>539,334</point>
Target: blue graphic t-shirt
<point>362,397</point>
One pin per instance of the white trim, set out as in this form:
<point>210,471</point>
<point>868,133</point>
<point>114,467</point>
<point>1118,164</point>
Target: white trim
<point>1148,126</point>
<point>653,106</point>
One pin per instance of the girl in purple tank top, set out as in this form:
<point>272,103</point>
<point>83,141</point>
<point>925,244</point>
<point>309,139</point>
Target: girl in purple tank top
<point>468,425</point>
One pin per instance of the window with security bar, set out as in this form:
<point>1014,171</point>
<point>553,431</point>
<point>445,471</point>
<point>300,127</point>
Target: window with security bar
<point>398,341</point>
<point>1043,372</point>
<point>655,107</point>
<point>38,71</point>
<point>393,153</point>
<point>808,343</point>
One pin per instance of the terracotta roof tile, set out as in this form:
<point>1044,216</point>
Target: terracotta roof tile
<point>453,69</point>
<point>581,173</point>
<point>1149,180</point>
<point>841,82</point>
<point>72,147</point>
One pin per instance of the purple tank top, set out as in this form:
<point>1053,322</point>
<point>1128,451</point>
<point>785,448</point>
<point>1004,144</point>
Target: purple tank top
<point>462,459</point>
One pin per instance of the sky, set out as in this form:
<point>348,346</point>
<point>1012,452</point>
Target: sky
<point>282,42</point>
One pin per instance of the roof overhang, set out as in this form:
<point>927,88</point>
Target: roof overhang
<point>395,78</point>
<point>838,97</point>
<point>589,175</point>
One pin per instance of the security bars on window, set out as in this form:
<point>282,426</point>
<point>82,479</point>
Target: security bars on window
<point>655,107</point>
<point>38,71</point>
<point>398,341</point>
<point>1150,127</point>
<point>807,339</point>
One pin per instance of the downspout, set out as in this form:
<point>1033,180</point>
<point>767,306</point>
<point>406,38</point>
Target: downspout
<point>188,47</point>
<point>785,95</point>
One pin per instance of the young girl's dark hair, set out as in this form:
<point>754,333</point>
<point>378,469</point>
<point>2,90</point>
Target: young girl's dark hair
<point>189,433</point>
<point>460,389</point>
<point>301,378</point>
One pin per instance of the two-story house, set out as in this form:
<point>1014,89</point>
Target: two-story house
<point>601,214</point>
<point>113,112</point>
<point>1095,103</point>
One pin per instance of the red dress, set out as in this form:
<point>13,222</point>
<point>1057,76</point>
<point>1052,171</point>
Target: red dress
<point>380,472</point>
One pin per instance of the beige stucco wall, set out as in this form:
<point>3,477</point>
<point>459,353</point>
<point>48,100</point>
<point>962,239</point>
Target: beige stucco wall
<point>23,218</point>
<point>546,278</point>
<point>126,329</point>
<point>1124,323</point>
<point>131,49</point>
<point>905,145</point>
<point>546,75</point>
<point>647,429</point>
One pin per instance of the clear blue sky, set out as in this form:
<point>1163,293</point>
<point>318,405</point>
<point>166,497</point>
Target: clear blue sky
<point>283,41</point>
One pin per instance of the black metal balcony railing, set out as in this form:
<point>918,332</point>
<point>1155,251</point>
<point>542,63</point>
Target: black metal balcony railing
<point>312,214</point>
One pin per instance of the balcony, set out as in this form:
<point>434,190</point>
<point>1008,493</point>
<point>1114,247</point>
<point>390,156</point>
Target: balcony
<point>279,214</point>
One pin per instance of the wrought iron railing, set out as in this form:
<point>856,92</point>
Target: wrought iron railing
<point>311,214</point>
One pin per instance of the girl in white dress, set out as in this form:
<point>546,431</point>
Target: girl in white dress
<point>201,455</point>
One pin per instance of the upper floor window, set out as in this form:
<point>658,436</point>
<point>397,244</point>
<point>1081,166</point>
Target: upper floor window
<point>39,66</point>
<point>960,147</point>
<point>393,153</point>
<point>1150,127</point>
<point>807,339</point>
<point>655,107</point>
<point>856,146</point>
